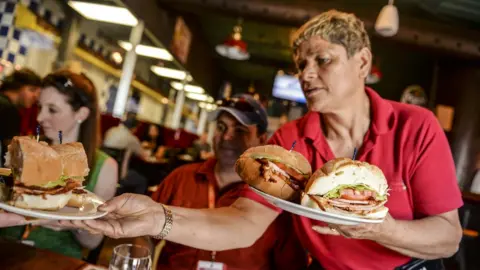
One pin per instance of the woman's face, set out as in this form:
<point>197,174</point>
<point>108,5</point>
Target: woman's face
<point>153,131</point>
<point>56,114</point>
<point>329,78</point>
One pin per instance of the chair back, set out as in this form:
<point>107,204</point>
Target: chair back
<point>117,154</point>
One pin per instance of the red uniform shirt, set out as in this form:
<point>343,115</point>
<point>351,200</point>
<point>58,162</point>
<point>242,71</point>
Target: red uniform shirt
<point>408,144</point>
<point>187,186</point>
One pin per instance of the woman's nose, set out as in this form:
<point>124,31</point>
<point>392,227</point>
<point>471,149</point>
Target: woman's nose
<point>40,116</point>
<point>309,73</point>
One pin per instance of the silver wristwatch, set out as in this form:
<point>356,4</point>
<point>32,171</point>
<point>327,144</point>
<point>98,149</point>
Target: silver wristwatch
<point>168,224</point>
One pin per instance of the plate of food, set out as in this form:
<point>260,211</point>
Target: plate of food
<point>46,182</point>
<point>343,191</point>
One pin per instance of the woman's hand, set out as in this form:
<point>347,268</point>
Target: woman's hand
<point>9,219</point>
<point>129,215</point>
<point>370,231</point>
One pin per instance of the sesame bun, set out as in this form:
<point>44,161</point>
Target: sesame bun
<point>344,171</point>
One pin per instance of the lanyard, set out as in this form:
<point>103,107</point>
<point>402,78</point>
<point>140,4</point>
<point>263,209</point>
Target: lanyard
<point>211,205</point>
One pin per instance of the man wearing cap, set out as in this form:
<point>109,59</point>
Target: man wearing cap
<point>241,123</point>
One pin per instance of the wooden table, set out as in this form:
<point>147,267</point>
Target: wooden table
<point>16,256</point>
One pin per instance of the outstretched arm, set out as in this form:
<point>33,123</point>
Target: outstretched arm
<point>237,226</point>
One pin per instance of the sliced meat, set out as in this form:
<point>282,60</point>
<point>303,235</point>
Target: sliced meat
<point>352,201</point>
<point>284,169</point>
<point>79,191</point>
<point>33,190</point>
<point>291,172</point>
<point>272,173</point>
<point>356,208</point>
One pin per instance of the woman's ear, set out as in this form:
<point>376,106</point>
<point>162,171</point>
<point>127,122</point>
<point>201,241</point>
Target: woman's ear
<point>365,60</point>
<point>82,114</point>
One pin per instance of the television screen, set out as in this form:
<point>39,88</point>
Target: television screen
<point>288,87</point>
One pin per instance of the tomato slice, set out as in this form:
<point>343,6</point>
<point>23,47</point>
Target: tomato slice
<point>356,195</point>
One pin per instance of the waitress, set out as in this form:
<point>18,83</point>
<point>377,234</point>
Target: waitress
<point>333,56</point>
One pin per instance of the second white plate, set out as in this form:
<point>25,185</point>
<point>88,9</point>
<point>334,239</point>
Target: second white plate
<point>88,211</point>
<point>311,213</point>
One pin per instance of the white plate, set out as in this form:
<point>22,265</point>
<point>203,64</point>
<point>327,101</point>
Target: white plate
<point>88,211</point>
<point>311,213</point>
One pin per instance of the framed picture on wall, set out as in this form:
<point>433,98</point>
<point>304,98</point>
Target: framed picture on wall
<point>182,38</point>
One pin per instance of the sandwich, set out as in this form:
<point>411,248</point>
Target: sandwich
<point>43,176</point>
<point>75,168</point>
<point>274,170</point>
<point>348,187</point>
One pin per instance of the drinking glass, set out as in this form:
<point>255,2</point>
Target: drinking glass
<point>130,257</point>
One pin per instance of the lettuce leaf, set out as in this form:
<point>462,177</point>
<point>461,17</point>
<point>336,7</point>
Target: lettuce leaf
<point>335,193</point>
<point>61,181</point>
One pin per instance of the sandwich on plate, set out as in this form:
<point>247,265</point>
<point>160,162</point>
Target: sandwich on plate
<point>274,170</point>
<point>348,187</point>
<point>45,177</point>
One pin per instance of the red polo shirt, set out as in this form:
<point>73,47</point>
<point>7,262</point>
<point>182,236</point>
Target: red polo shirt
<point>187,186</point>
<point>409,145</point>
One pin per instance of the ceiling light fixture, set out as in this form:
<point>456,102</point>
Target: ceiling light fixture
<point>104,13</point>
<point>117,58</point>
<point>199,97</point>
<point>207,106</point>
<point>387,21</point>
<point>147,51</point>
<point>188,88</point>
<point>234,47</point>
<point>171,73</point>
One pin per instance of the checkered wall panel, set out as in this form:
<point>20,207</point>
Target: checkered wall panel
<point>37,7</point>
<point>11,48</point>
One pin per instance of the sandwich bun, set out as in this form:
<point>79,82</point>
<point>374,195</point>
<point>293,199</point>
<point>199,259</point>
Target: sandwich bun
<point>250,170</point>
<point>42,202</point>
<point>79,200</point>
<point>344,171</point>
<point>74,159</point>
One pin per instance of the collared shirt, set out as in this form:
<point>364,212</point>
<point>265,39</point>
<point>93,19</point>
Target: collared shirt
<point>10,120</point>
<point>410,147</point>
<point>187,186</point>
<point>120,137</point>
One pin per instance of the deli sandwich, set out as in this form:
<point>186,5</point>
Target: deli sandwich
<point>45,177</point>
<point>348,187</point>
<point>274,170</point>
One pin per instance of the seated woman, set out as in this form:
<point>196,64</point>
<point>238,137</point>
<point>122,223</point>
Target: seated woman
<point>153,142</point>
<point>68,102</point>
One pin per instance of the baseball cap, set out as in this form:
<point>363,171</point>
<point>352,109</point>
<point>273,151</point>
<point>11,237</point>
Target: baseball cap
<point>246,109</point>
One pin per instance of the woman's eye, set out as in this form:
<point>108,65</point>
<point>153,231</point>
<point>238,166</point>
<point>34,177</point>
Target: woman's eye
<point>302,65</point>
<point>322,61</point>
<point>221,128</point>
<point>51,110</point>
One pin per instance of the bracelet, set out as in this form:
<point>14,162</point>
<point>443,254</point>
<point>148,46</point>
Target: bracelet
<point>168,224</point>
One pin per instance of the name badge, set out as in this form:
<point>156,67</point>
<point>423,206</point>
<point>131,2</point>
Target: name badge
<point>204,265</point>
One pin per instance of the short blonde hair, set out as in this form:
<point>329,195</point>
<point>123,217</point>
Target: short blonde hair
<point>335,27</point>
